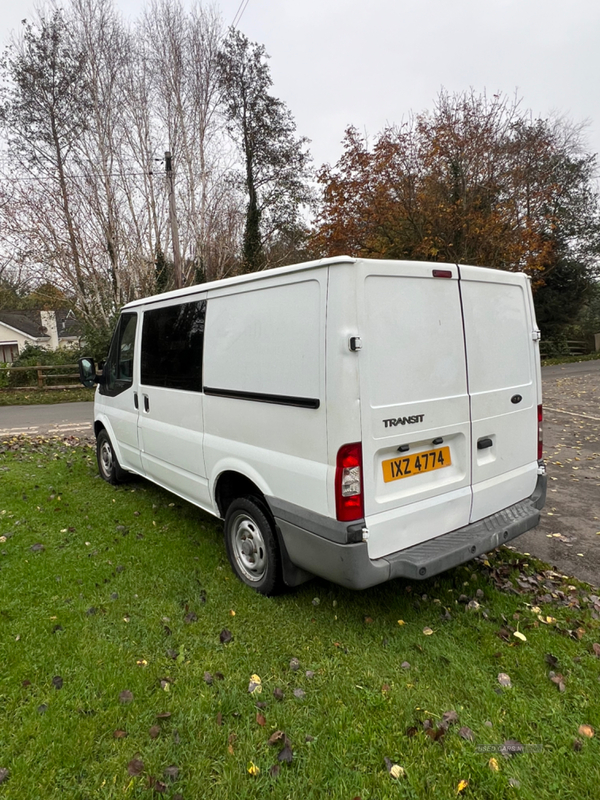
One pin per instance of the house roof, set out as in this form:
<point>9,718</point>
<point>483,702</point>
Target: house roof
<point>30,324</point>
<point>27,322</point>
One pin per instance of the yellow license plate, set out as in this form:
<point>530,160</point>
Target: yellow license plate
<point>416,464</point>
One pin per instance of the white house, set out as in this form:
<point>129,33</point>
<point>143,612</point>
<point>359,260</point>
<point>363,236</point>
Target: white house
<point>48,329</point>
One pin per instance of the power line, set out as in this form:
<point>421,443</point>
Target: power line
<point>239,13</point>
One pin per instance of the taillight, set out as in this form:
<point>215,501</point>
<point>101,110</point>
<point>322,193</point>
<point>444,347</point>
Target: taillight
<point>348,483</point>
<point>540,432</point>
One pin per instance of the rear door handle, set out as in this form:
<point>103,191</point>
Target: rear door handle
<point>135,400</point>
<point>146,403</point>
<point>483,443</point>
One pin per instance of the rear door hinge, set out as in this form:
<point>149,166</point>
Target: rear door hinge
<point>355,343</point>
<point>536,335</point>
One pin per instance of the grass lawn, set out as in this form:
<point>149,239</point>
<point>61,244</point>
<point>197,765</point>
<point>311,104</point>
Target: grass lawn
<point>29,397</point>
<point>128,648</point>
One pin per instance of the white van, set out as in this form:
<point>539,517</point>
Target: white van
<point>355,419</point>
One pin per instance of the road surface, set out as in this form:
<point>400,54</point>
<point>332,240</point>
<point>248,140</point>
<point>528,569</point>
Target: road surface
<point>68,419</point>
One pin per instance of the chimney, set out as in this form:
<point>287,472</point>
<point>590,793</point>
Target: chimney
<point>48,321</point>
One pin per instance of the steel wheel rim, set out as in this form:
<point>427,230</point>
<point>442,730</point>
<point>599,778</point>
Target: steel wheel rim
<point>249,549</point>
<point>106,458</point>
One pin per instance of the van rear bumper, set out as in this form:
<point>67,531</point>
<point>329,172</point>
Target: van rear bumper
<point>349,564</point>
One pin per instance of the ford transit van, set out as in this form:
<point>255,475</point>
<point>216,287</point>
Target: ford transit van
<point>355,419</point>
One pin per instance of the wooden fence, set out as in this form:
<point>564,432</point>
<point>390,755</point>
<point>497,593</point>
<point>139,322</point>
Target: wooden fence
<point>45,373</point>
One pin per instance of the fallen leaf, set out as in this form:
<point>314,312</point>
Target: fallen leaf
<point>596,649</point>
<point>154,732</point>
<point>225,636</point>
<point>135,767</point>
<point>558,680</point>
<point>208,678</point>
<point>274,771</point>
<point>253,769</point>
<point>309,673</point>
<point>286,755</point>
<point>299,693</point>
<point>462,785</point>
<point>520,636</point>
<point>396,771</point>
<point>157,785</point>
<point>450,717</point>
<point>255,685</point>
<point>4,775</point>
<point>219,718</point>
<point>57,682</point>
<point>163,714</point>
<point>466,733</point>
<point>368,620</point>
<point>586,730</point>
<point>278,736</point>
<point>190,617</point>
<point>120,734</point>
<point>577,745</point>
<point>260,719</point>
<point>504,680</point>
<point>401,622</point>
<point>37,548</point>
<point>412,731</point>
<point>493,765</point>
<point>405,665</point>
<point>550,659</point>
<point>294,664</point>
<point>126,696</point>
<point>172,772</point>
<point>511,747</point>
<point>427,631</point>
<point>278,694</point>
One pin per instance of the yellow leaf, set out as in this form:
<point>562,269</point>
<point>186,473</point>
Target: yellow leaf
<point>396,771</point>
<point>401,622</point>
<point>493,765</point>
<point>232,613</point>
<point>427,631</point>
<point>536,609</point>
<point>520,636</point>
<point>462,785</point>
<point>586,730</point>
<point>253,769</point>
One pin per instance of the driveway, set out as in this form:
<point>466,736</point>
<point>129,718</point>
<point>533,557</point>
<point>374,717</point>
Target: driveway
<point>569,534</point>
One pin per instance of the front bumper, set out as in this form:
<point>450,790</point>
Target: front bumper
<point>350,565</point>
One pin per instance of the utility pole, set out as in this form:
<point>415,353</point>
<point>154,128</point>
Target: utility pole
<point>173,221</point>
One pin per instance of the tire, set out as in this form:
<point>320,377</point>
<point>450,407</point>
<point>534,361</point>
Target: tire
<point>108,465</point>
<point>252,547</point>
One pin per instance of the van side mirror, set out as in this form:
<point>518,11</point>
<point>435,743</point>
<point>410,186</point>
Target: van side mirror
<point>87,372</point>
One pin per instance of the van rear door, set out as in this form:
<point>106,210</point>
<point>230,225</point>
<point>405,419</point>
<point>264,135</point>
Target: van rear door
<point>502,364</point>
<point>416,431</point>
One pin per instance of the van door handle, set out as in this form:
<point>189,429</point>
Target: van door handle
<point>135,400</point>
<point>483,443</point>
<point>146,403</point>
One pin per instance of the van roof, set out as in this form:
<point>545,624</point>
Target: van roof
<point>251,276</point>
<point>507,276</point>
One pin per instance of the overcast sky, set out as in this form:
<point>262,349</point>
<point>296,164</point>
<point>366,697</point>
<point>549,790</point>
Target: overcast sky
<point>341,62</point>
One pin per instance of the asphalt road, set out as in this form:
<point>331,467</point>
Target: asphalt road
<point>69,419</point>
<point>568,536</point>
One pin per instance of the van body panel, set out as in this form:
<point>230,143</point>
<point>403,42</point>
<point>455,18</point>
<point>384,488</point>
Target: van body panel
<point>171,436</point>
<point>501,356</point>
<point>414,393</point>
<point>264,376</point>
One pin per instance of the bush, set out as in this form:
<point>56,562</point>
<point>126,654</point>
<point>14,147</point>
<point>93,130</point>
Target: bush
<point>33,355</point>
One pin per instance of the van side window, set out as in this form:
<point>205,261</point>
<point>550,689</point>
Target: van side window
<point>172,343</point>
<point>118,367</point>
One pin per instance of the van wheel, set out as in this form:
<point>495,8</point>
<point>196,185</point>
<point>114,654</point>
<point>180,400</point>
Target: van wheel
<point>108,466</point>
<point>251,544</point>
